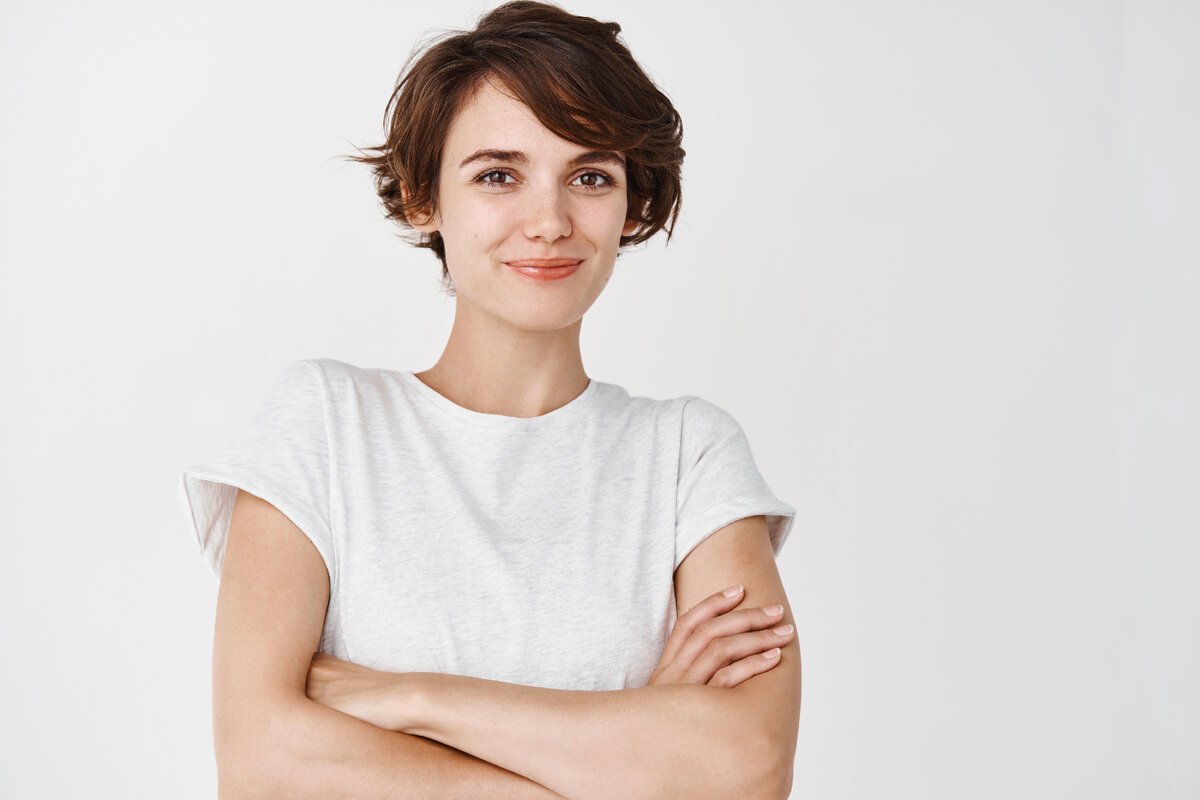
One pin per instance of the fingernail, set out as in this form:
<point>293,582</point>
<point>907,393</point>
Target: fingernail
<point>772,653</point>
<point>784,630</point>
<point>733,591</point>
<point>773,610</point>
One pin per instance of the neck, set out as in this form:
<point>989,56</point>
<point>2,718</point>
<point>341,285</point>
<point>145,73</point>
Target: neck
<point>493,368</point>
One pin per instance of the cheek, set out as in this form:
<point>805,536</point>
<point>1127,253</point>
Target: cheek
<point>474,223</point>
<point>602,220</point>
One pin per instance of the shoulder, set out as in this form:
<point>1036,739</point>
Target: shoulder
<point>308,393</point>
<point>326,369</point>
<point>337,378</point>
<point>698,411</point>
<point>690,410</point>
<point>703,422</point>
<point>695,422</point>
<point>612,404</point>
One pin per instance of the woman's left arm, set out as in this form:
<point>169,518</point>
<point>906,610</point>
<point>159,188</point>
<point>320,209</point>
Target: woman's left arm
<point>662,741</point>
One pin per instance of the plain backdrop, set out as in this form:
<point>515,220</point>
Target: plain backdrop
<point>940,259</point>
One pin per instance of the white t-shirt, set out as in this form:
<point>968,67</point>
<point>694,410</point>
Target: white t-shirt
<point>538,550</point>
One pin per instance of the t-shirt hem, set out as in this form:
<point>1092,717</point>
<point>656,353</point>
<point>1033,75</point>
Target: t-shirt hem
<point>219,500</point>
<point>779,517</point>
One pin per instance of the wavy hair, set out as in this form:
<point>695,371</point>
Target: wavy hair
<point>575,75</point>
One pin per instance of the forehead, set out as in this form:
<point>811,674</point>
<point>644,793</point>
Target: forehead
<point>494,119</point>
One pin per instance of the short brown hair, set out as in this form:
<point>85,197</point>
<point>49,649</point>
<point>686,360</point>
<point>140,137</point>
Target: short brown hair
<point>575,75</point>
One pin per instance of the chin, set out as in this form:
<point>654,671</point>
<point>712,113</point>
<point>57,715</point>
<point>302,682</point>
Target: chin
<point>546,316</point>
<point>546,323</point>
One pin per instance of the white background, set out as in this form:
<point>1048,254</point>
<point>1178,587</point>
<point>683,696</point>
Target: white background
<point>940,259</point>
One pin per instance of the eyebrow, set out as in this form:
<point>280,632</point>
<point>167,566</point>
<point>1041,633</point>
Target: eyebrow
<point>517,157</point>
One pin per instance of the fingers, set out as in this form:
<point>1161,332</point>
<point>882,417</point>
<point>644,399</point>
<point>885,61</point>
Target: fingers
<point>708,608</point>
<point>726,651</point>
<point>715,636</point>
<point>746,668</point>
<point>740,621</point>
<point>708,633</point>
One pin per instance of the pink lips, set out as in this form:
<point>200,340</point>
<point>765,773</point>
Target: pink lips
<point>545,269</point>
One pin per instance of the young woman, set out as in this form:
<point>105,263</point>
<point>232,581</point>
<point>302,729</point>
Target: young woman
<point>463,582</point>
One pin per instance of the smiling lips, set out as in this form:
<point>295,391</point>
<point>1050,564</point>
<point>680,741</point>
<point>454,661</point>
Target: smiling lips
<point>545,269</point>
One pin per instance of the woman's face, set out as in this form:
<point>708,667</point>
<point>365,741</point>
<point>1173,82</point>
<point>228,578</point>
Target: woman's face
<point>531,222</point>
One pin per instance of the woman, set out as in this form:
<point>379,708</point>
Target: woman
<point>486,557</point>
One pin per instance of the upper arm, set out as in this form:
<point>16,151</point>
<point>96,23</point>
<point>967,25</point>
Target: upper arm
<point>270,613</point>
<point>741,553</point>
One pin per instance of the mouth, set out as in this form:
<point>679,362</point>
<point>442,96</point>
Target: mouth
<point>545,269</point>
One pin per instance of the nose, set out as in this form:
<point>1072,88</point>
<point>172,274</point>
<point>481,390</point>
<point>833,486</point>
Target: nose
<point>547,218</point>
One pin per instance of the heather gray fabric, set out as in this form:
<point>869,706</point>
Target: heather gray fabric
<point>538,551</point>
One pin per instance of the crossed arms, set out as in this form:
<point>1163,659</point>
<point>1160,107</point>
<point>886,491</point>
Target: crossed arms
<point>451,736</point>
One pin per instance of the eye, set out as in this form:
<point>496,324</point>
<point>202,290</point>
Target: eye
<point>495,177</point>
<point>593,179</point>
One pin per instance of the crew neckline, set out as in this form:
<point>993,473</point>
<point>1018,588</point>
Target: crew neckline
<point>435,398</point>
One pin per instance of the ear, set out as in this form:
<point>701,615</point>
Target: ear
<point>422,220</point>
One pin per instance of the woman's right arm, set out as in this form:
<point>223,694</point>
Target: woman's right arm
<point>271,740</point>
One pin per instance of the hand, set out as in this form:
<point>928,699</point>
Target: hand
<point>712,645</point>
<point>367,694</point>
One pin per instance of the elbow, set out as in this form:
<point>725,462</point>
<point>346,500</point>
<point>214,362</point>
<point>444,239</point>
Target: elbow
<point>239,779</point>
<point>764,754</point>
<point>244,770</point>
<point>775,783</point>
<point>758,764</point>
<point>750,775</point>
<point>768,770</point>
<point>254,760</point>
<point>777,742</point>
<point>768,726</point>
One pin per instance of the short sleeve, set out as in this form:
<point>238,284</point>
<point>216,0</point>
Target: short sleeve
<point>719,482</point>
<point>283,457</point>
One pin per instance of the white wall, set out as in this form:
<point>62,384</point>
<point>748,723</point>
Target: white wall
<point>940,259</point>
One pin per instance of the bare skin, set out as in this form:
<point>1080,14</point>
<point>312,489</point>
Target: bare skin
<point>273,740</point>
<point>710,645</point>
<point>718,718</point>
<point>514,347</point>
